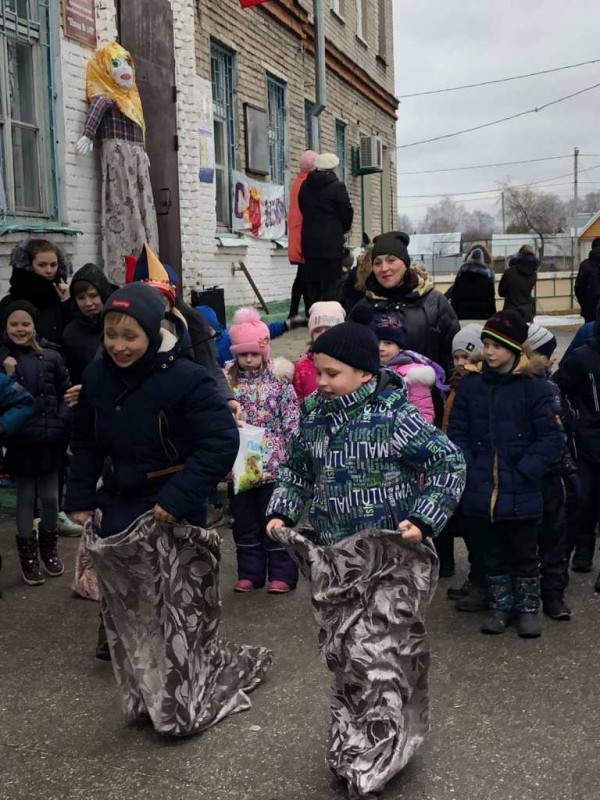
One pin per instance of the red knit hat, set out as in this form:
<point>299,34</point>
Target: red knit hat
<point>249,334</point>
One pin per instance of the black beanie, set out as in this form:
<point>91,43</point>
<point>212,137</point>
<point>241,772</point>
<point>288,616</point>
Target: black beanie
<point>18,305</point>
<point>352,342</point>
<point>508,328</point>
<point>140,302</point>
<point>596,243</point>
<point>394,243</point>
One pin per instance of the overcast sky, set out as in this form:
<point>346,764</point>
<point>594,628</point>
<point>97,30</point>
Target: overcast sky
<point>442,43</point>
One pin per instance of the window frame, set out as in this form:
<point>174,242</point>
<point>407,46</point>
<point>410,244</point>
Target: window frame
<point>361,9</point>
<point>224,128</point>
<point>277,86</point>
<point>341,127</point>
<point>34,31</point>
<point>338,8</point>
<point>382,41</point>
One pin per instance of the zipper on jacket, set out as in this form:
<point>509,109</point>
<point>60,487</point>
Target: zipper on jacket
<point>594,392</point>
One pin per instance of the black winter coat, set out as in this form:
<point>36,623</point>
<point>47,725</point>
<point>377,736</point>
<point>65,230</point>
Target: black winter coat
<point>516,285</point>
<point>473,293</point>
<point>327,215</point>
<point>430,321</point>
<point>167,431</point>
<point>45,377</point>
<point>508,429</point>
<point>587,285</point>
<point>53,315</point>
<point>578,378</point>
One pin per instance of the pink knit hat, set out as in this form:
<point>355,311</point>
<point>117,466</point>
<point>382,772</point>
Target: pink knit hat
<point>307,161</point>
<point>249,334</point>
<point>325,313</point>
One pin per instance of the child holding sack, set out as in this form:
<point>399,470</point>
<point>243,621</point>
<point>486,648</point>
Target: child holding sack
<point>323,315</point>
<point>268,401</point>
<point>35,454</point>
<point>381,480</point>
<point>505,420</point>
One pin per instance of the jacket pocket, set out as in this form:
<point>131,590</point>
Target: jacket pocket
<point>594,392</point>
<point>170,451</point>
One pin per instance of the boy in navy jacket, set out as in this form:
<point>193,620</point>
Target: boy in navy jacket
<point>505,420</point>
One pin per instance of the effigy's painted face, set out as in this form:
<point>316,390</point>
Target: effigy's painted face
<point>122,71</point>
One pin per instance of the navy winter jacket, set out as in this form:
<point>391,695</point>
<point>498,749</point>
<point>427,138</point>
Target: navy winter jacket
<point>45,377</point>
<point>508,429</point>
<point>169,437</point>
<point>578,378</point>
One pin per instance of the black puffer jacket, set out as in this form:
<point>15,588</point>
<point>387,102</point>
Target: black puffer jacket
<point>45,377</point>
<point>83,336</point>
<point>517,285</point>
<point>473,293</point>
<point>578,378</point>
<point>53,315</point>
<point>327,215</point>
<point>587,285</point>
<point>429,319</point>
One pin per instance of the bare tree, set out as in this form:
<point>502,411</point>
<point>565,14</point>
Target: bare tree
<point>405,223</point>
<point>448,216</point>
<point>477,225</point>
<point>529,211</point>
<point>590,203</point>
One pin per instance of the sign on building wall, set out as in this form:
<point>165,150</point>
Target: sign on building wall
<point>258,208</point>
<point>206,136</point>
<point>80,21</point>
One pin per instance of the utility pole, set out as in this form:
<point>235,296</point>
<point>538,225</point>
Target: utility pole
<point>575,234</point>
<point>320,71</point>
<point>503,215</point>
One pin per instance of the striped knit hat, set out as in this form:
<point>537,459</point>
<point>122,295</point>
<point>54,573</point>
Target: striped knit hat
<point>541,340</point>
<point>508,328</point>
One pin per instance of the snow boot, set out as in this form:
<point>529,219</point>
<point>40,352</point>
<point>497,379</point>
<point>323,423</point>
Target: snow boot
<point>556,608</point>
<point>475,600</point>
<point>527,607</point>
<point>496,622</point>
<point>53,566</point>
<point>30,562</point>
<point>456,592</point>
<point>501,602</point>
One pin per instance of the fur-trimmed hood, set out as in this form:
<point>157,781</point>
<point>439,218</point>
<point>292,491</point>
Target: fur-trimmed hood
<point>19,259</point>
<point>529,365</point>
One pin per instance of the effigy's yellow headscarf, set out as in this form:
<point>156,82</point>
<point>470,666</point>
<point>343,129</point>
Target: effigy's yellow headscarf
<point>100,81</point>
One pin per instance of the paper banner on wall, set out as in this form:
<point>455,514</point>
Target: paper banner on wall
<point>206,136</point>
<point>258,208</point>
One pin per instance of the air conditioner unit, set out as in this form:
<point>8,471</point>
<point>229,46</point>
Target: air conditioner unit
<point>371,154</point>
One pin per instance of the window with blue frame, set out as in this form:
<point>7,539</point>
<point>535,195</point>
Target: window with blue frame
<point>27,175</point>
<point>222,77</point>
<point>277,129</point>
<point>341,148</point>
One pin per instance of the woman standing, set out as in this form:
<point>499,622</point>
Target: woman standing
<point>518,281</point>
<point>473,293</point>
<point>395,287</point>
<point>295,255</point>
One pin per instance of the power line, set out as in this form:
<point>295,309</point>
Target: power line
<point>498,121</point>
<point>484,166</point>
<point>498,80</point>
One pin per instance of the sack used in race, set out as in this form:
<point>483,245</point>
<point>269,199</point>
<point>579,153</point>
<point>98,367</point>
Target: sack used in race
<point>248,467</point>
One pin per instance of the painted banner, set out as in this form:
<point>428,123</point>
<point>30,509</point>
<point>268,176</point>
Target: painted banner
<point>258,208</point>
<point>248,3</point>
<point>80,21</point>
<point>206,136</point>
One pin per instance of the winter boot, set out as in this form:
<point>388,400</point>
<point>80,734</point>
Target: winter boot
<point>51,562</point>
<point>501,604</point>
<point>102,648</point>
<point>527,607</point>
<point>456,592</point>
<point>475,600</point>
<point>30,562</point>
<point>582,560</point>
<point>556,608</point>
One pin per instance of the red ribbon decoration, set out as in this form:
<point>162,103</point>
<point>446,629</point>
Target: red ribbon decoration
<point>248,3</point>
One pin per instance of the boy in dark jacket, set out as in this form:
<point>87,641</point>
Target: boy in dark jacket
<point>505,420</point>
<point>587,283</point>
<point>518,281</point>
<point>578,378</point>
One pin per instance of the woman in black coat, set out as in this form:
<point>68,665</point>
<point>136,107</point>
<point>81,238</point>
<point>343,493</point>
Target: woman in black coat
<point>473,293</point>
<point>39,275</point>
<point>518,282</point>
<point>393,286</point>
<point>327,216</point>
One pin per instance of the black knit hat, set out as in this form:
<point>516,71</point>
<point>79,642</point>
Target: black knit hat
<point>508,328</point>
<point>596,243</point>
<point>352,342</point>
<point>143,303</point>
<point>92,274</point>
<point>18,305</point>
<point>394,243</point>
<point>389,328</point>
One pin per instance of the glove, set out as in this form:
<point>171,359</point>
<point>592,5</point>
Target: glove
<point>84,145</point>
<point>296,322</point>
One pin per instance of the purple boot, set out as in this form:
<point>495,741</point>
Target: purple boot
<point>30,562</point>
<point>48,552</point>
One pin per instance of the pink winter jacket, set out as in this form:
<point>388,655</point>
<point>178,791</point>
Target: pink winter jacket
<point>305,377</point>
<point>419,379</point>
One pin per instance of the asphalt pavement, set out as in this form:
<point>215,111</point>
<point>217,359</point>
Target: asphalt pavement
<point>511,719</point>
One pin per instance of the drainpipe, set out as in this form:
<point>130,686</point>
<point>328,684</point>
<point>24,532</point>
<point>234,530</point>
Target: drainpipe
<point>320,70</point>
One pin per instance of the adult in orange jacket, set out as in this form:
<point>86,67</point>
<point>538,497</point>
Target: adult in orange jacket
<point>306,164</point>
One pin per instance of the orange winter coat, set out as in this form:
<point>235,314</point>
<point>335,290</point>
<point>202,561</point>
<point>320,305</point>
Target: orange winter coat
<point>295,222</point>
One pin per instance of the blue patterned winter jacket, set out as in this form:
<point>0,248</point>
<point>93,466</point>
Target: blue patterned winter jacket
<point>368,460</point>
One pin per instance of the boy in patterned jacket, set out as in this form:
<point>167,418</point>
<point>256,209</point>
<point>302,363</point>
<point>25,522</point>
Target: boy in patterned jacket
<point>362,454</point>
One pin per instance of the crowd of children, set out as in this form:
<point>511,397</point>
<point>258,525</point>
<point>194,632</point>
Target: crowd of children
<point>363,432</point>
